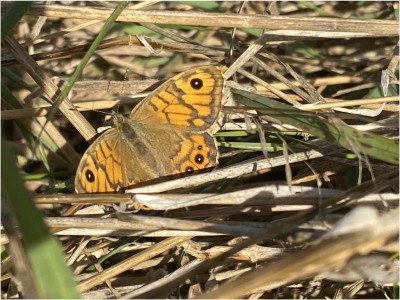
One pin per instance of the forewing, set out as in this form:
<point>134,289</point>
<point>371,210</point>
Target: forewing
<point>191,99</point>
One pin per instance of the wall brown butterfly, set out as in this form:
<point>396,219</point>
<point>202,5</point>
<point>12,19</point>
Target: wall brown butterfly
<point>170,132</point>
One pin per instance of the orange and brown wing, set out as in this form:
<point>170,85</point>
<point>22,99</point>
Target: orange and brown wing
<point>195,152</point>
<point>100,167</point>
<point>191,99</point>
<point>112,162</point>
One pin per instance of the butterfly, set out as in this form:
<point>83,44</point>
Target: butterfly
<point>170,132</point>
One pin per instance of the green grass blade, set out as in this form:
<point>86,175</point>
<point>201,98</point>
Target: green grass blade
<point>12,17</point>
<point>213,6</point>
<point>341,134</point>
<point>312,6</point>
<point>52,277</point>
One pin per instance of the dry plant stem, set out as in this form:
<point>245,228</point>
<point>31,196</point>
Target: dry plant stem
<point>89,223</point>
<point>37,27</point>
<point>351,290</point>
<point>373,27</point>
<point>355,88</point>
<point>170,223</point>
<point>118,88</point>
<point>276,229</point>
<point>108,282</point>
<point>394,62</point>
<point>149,226</point>
<point>314,96</point>
<point>77,252</point>
<point>266,196</point>
<point>59,33</point>
<point>16,250</point>
<point>126,40</point>
<point>284,35</point>
<point>132,233</point>
<point>12,114</point>
<point>245,56</point>
<point>50,89</point>
<point>388,127</point>
<point>48,128</point>
<point>277,196</point>
<point>90,199</point>
<point>6,266</point>
<point>351,196</point>
<point>164,281</point>
<point>330,253</point>
<point>105,293</point>
<point>234,171</point>
<point>341,79</point>
<point>270,87</point>
<point>253,253</point>
<point>127,264</point>
<point>346,103</point>
<point>168,33</point>
<point>152,263</point>
<point>280,77</point>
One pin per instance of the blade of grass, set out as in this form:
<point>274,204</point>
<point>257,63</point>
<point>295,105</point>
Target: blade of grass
<point>53,279</point>
<point>12,16</point>
<point>205,5</point>
<point>368,143</point>
<point>250,146</point>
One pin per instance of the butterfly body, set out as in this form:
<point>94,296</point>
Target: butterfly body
<point>170,132</point>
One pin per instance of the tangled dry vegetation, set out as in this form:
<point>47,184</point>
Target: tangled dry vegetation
<point>304,203</point>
